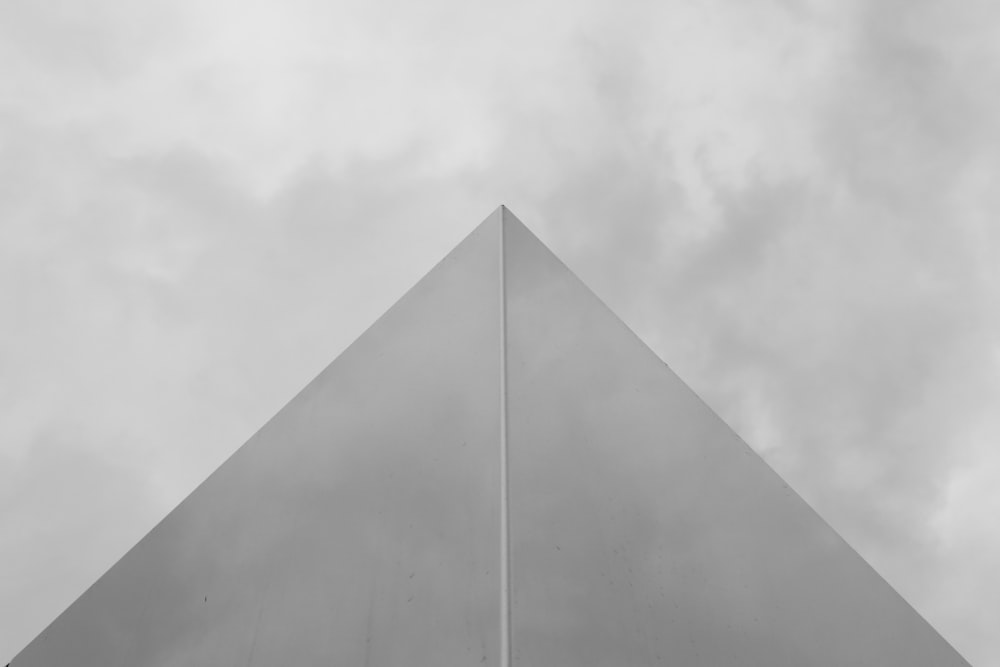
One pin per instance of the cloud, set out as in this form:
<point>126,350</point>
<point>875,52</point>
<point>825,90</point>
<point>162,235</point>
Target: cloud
<point>832,302</point>
<point>793,202</point>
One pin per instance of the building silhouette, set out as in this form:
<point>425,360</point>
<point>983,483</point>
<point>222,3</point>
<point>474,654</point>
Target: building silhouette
<point>498,472</point>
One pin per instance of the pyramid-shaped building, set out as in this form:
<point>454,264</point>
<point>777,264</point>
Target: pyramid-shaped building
<point>498,472</point>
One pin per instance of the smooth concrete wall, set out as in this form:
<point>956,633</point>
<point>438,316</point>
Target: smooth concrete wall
<point>498,420</point>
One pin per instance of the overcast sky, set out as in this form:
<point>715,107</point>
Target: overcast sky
<point>795,203</point>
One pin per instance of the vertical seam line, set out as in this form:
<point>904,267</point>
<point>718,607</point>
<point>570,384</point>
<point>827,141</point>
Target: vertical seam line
<point>505,615</point>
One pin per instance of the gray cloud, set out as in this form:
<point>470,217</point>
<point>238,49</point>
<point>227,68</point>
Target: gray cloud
<point>837,315</point>
<point>792,202</point>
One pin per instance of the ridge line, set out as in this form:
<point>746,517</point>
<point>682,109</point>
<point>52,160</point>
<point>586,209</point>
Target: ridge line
<point>505,643</point>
